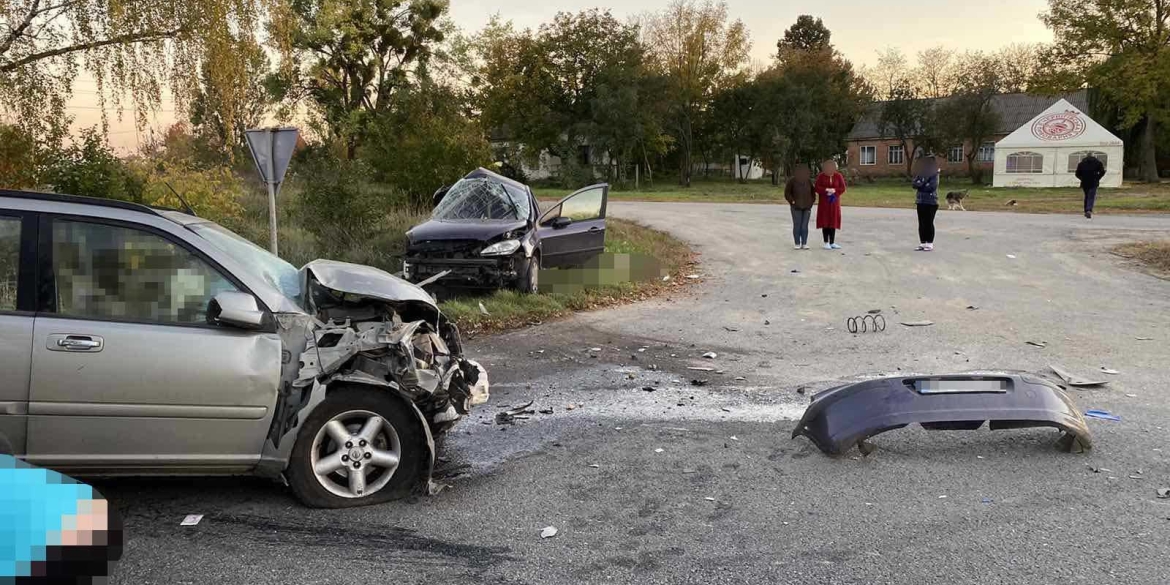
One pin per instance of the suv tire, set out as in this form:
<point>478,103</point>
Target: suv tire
<point>345,414</point>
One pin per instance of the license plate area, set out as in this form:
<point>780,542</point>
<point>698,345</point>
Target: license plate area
<point>960,385</point>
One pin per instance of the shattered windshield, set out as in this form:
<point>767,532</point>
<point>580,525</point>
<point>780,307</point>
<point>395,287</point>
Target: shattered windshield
<point>277,272</point>
<point>480,199</point>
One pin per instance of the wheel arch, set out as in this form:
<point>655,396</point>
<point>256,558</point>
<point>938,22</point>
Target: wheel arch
<point>341,382</point>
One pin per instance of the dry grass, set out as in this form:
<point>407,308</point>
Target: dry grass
<point>1155,255</point>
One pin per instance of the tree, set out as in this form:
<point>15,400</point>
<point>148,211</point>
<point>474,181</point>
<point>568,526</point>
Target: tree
<point>935,73</point>
<point>1121,48</point>
<point>808,34</point>
<point>1018,66</point>
<point>697,50</point>
<point>815,97</point>
<point>132,50</point>
<point>20,158</point>
<point>967,115</point>
<point>903,115</point>
<point>424,142</point>
<point>579,80</point>
<point>735,123</point>
<point>211,109</point>
<point>350,56</point>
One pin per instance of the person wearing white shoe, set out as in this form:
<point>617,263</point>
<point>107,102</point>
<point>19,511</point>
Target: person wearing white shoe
<point>799,193</point>
<point>926,200</point>
<point>830,186</point>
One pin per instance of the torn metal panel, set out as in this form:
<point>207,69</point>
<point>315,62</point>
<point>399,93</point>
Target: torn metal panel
<point>845,416</point>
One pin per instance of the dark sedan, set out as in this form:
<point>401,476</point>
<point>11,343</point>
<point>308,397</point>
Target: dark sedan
<point>487,231</point>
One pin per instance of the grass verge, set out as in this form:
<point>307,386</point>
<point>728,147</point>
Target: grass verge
<point>1131,198</point>
<point>509,310</point>
<point>1155,255</point>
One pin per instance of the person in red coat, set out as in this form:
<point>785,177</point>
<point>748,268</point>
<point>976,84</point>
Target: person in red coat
<point>830,186</point>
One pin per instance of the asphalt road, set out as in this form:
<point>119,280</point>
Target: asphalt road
<point>703,484</point>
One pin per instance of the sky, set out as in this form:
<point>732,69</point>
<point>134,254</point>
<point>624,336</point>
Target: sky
<point>859,28</point>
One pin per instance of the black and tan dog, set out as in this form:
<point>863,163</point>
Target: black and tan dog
<point>955,200</point>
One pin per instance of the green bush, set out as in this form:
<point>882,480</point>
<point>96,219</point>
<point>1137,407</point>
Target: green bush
<point>88,167</point>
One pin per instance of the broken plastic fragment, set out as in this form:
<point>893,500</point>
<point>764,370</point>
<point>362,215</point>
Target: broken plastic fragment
<point>1037,343</point>
<point>1074,380</point>
<point>548,532</point>
<point>710,355</point>
<point>1109,371</point>
<point>1102,414</point>
<point>191,520</point>
<point>700,369</point>
<point>709,499</point>
<point>483,310</point>
<point>923,323</point>
<point>1164,493</point>
<point>659,450</point>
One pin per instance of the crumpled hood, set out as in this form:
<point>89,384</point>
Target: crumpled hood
<point>366,281</point>
<point>462,230</point>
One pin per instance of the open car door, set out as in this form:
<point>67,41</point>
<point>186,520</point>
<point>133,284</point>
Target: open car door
<point>573,231</point>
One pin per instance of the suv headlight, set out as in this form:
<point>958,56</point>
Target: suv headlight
<point>503,248</point>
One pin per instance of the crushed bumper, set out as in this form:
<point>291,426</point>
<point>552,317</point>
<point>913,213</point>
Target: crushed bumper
<point>464,272</point>
<point>845,416</point>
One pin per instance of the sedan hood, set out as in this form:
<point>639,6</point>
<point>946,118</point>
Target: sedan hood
<point>366,281</point>
<point>462,230</point>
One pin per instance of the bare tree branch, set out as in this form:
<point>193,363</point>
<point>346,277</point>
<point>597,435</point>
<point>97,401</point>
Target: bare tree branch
<point>129,38</point>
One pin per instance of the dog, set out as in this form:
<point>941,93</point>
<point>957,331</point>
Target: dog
<point>955,200</point>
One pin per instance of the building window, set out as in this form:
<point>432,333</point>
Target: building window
<point>955,154</point>
<point>1075,159</point>
<point>1025,162</point>
<point>987,152</point>
<point>868,155</point>
<point>896,155</point>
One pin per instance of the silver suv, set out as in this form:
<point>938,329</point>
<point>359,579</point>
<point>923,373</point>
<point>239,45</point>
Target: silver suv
<point>140,341</point>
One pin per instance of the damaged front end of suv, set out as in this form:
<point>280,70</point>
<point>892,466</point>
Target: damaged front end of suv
<point>376,330</point>
<point>381,374</point>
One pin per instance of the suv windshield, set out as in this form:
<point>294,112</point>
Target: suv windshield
<point>277,272</point>
<point>479,199</point>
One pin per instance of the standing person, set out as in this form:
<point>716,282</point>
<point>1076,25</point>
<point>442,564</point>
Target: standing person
<point>1089,171</point>
<point>800,194</point>
<point>830,186</point>
<point>926,201</point>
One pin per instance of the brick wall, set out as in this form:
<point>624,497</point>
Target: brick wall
<point>883,167</point>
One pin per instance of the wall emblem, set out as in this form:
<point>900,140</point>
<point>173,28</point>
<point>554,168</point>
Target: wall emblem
<point>1059,126</point>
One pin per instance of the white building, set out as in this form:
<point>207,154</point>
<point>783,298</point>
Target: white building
<point>1045,151</point>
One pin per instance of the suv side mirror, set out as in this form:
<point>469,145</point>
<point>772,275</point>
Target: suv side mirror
<point>561,222</point>
<point>235,309</point>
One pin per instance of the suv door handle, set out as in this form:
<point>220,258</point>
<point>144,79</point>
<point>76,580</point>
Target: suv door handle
<point>75,342</point>
<point>594,229</point>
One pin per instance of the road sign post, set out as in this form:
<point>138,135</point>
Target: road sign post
<point>271,150</point>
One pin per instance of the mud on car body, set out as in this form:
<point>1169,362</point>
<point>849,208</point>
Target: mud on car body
<point>487,231</point>
<point>142,341</point>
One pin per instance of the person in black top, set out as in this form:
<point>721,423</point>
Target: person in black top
<point>1089,171</point>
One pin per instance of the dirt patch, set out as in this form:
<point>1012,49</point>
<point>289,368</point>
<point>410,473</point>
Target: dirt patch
<point>1154,255</point>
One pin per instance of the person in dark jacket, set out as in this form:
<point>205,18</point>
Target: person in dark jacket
<point>800,194</point>
<point>1089,171</point>
<point>926,201</point>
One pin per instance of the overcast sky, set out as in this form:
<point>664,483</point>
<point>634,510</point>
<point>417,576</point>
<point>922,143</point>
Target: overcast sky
<point>860,28</point>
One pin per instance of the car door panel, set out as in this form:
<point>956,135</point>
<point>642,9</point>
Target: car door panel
<point>185,404</point>
<point>126,372</point>
<point>17,315</point>
<point>584,238</point>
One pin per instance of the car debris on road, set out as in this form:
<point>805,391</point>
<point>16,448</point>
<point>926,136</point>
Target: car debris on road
<point>845,416</point>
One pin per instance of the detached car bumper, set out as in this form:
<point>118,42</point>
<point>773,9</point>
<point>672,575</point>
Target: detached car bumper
<point>845,416</point>
<point>494,272</point>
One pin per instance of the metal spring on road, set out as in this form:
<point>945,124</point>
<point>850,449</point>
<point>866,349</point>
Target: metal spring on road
<point>866,323</point>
